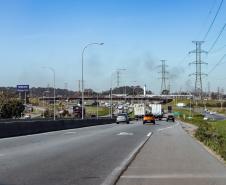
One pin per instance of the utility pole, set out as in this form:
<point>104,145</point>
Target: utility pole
<point>218,93</point>
<point>221,99</point>
<point>79,87</point>
<point>118,77</point>
<point>209,93</point>
<point>163,75</point>
<point>169,87</point>
<point>66,88</point>
<point>198,64</point>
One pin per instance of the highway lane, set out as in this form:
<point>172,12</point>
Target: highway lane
<point>76,156</point>
<point>214,116</point>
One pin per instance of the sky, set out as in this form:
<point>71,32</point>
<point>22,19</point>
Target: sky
<point>137,34</point>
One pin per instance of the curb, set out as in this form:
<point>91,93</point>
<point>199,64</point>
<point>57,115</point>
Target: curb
<point>113,178</point>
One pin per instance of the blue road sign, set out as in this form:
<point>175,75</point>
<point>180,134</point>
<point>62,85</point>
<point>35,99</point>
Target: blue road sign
<point>22,88</point>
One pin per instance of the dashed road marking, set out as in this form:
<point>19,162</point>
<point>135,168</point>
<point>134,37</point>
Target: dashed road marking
<point>161,129</point>
<point>124,134</point>
<point>149,134</point>
<point>165,128</point>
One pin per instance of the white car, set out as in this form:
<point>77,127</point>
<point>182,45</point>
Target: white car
<point>123,117</point>
<point>120,107</point>
<point>27,116</point>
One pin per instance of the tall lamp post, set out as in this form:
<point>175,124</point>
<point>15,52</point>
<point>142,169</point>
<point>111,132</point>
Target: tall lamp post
<point>43,103</point>
<point>111,111</point>
<point>54,91</point>
<point>134,88</point>
<point>83,51</point>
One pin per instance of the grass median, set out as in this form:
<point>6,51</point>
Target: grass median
<point>92,110</point>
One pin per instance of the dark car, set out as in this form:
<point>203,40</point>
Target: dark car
<point>158,116</point>
<point>170,117</point>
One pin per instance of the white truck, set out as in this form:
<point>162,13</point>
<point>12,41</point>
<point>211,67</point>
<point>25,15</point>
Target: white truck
<point>139,110</point>
<point>156,110</point>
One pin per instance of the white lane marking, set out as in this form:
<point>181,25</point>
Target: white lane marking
<point>161,129</point>
<point>117,172</point>
<point>149,134</point>
<point>124,134</point>
<point>173,176</point>
<point>165,128</point>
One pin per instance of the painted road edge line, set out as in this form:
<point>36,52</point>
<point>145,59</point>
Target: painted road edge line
<point>114,176</point>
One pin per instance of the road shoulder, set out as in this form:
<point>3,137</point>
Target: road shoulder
<point>172,157</point>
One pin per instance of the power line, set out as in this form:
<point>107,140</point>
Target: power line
<point>211,25</point>
<point>214,43</point>
<point>207,18</point>
<point>218,63</point>
<point>203,25</point>
<point>180,62</point>
<point>219,49</point>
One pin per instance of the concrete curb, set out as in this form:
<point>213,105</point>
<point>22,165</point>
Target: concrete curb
<point>113,178</point>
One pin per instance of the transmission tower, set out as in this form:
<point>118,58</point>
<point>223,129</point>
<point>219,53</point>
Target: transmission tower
<point>198,64</point>
<point>118,76</point>
<point>163,75</point>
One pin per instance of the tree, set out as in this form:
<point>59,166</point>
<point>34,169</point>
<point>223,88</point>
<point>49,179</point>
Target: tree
<point>165,92</point>
<point>12,108</point>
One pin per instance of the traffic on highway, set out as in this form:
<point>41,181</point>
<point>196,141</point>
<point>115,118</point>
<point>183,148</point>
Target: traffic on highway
<point>114,92</point>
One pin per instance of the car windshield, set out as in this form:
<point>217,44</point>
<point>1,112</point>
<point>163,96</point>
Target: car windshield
<point>122,115</point>
<point>148,114</point>
<point>120,92</point>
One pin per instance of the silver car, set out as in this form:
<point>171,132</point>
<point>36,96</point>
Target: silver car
<point>122,118</point>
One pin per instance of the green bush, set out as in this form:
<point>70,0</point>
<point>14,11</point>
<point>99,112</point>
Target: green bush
<point>211,137</point>
<point>12,108</point>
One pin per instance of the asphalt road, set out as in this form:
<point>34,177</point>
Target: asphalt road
<point>172,157</point>
<point>214,116</point>
<point>70,157</point>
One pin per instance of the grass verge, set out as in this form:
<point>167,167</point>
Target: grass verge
<point>92,110</point>
<point>211,133</point>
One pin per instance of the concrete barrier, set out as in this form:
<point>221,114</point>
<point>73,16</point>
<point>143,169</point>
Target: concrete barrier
<point>19,128</point>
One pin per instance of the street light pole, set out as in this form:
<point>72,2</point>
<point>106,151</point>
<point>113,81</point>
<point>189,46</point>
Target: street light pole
<point>54,91</point>
<point>97,107</point>
<point>133,89</point>
<point>43,103</point>
<point>83,73</point>
<point>191,97</point>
